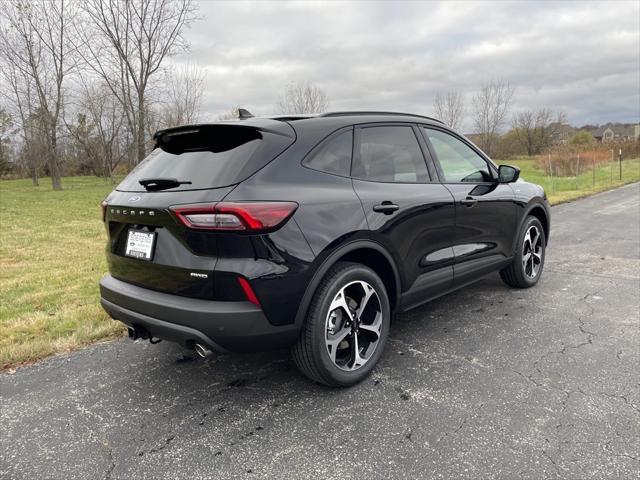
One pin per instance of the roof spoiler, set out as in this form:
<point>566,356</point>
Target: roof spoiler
<point>214,138</point>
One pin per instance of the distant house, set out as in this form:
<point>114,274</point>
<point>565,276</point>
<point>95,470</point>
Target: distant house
<point>561,133</point>
<point>617,132</point>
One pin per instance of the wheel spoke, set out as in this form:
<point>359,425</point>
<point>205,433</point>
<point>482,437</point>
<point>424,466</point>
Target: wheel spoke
<point>334,341</point>
<point>357,360</point>
<point>340,302</point>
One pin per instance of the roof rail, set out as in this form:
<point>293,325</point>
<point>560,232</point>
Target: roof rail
<point>344,114</point>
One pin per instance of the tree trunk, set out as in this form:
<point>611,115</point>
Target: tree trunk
<point>141,128</point>
<point>54,169</point>
<point>55,172</point>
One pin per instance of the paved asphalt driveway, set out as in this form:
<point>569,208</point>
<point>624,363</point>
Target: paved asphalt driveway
<point>485,383</point>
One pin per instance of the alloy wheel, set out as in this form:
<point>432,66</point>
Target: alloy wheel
<point>353,325</point>
<point>532,252</point>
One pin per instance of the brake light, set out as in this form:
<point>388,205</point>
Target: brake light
<point>235,216</point>
<point>248,291</point>
<point>103,205</point>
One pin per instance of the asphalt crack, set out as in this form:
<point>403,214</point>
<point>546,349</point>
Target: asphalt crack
<point>623,398</point>
<point>610,451</point>
<point>545,454</point>
<point>468,419</point>
<point>566,347</point>
<point>529,378</point>
<point>112,466</point>
<point>166,443</point>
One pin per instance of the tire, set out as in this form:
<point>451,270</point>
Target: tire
<point>329,329</point>
<point>528,262</point>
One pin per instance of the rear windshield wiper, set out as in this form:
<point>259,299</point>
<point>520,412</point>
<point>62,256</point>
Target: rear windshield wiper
<point>162,183</point>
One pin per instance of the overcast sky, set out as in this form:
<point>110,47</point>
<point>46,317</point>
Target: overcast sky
<point>581,57</point>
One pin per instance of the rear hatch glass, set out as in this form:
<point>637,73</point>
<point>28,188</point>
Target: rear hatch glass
<point>207,156</point>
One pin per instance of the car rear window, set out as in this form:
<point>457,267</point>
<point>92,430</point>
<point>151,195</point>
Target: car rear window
<point>208,157</point>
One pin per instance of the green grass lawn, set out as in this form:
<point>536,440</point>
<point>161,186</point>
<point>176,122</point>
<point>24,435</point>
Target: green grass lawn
<point>52,256</point>
<point>563,189</point>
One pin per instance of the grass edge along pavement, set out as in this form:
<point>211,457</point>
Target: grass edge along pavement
<point>52,257</point>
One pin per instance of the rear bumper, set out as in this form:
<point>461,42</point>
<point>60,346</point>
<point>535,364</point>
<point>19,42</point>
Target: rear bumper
<point>222,326</point>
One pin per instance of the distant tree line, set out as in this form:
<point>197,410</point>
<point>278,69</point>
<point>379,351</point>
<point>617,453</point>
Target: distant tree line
<point>492,127</point>
<point>499,133</point>
<point>84,84</point>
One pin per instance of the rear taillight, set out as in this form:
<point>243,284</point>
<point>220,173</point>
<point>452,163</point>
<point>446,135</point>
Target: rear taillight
<point>235,216</point>
<point>103,205</point>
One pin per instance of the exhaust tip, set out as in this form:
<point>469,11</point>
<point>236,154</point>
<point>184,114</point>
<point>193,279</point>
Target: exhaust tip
<point>201,350</point>
<point>135,333</point>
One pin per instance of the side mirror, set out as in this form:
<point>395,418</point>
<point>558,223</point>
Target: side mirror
<point>508,174</point>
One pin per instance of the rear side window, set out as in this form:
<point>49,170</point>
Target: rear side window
<point>389,154</point>
<point>208,157</point>
<point>333,155</point>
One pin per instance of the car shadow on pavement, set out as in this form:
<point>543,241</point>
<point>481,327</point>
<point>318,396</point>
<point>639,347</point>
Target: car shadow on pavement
<point>172,370</point>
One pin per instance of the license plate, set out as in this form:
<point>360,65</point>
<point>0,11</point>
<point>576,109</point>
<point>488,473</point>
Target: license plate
<point>140,244</point>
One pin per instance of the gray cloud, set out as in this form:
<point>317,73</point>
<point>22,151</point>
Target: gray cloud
<point>579,57</point>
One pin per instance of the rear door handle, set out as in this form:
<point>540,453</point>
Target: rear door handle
<point>386,207</point>
<point>469,201</point>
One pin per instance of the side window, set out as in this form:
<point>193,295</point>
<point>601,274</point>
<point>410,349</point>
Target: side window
<point>389,154</point>
<point>459,162</point>
<point>333,155</point>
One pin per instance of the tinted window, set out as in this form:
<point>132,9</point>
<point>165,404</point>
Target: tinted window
<point>333,155</point>
<point>389,154</point>
<point>459,162</point>
<point>208,157</point>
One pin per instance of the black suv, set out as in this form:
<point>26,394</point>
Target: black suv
<point>310,232</point>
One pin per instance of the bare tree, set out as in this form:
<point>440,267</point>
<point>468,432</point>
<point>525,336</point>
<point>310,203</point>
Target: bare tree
<point>34,146</point>
<point>491,105</point>
<point>126,43</point>
<point>18,90</point>
<point>232,114</point>
<point>535,130</point>
<point>5,127</point>
<point>100,134</point>
<point>302,97</point>
<point>36,48</point>
<point>184,97</point>
<point>450,108</point>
